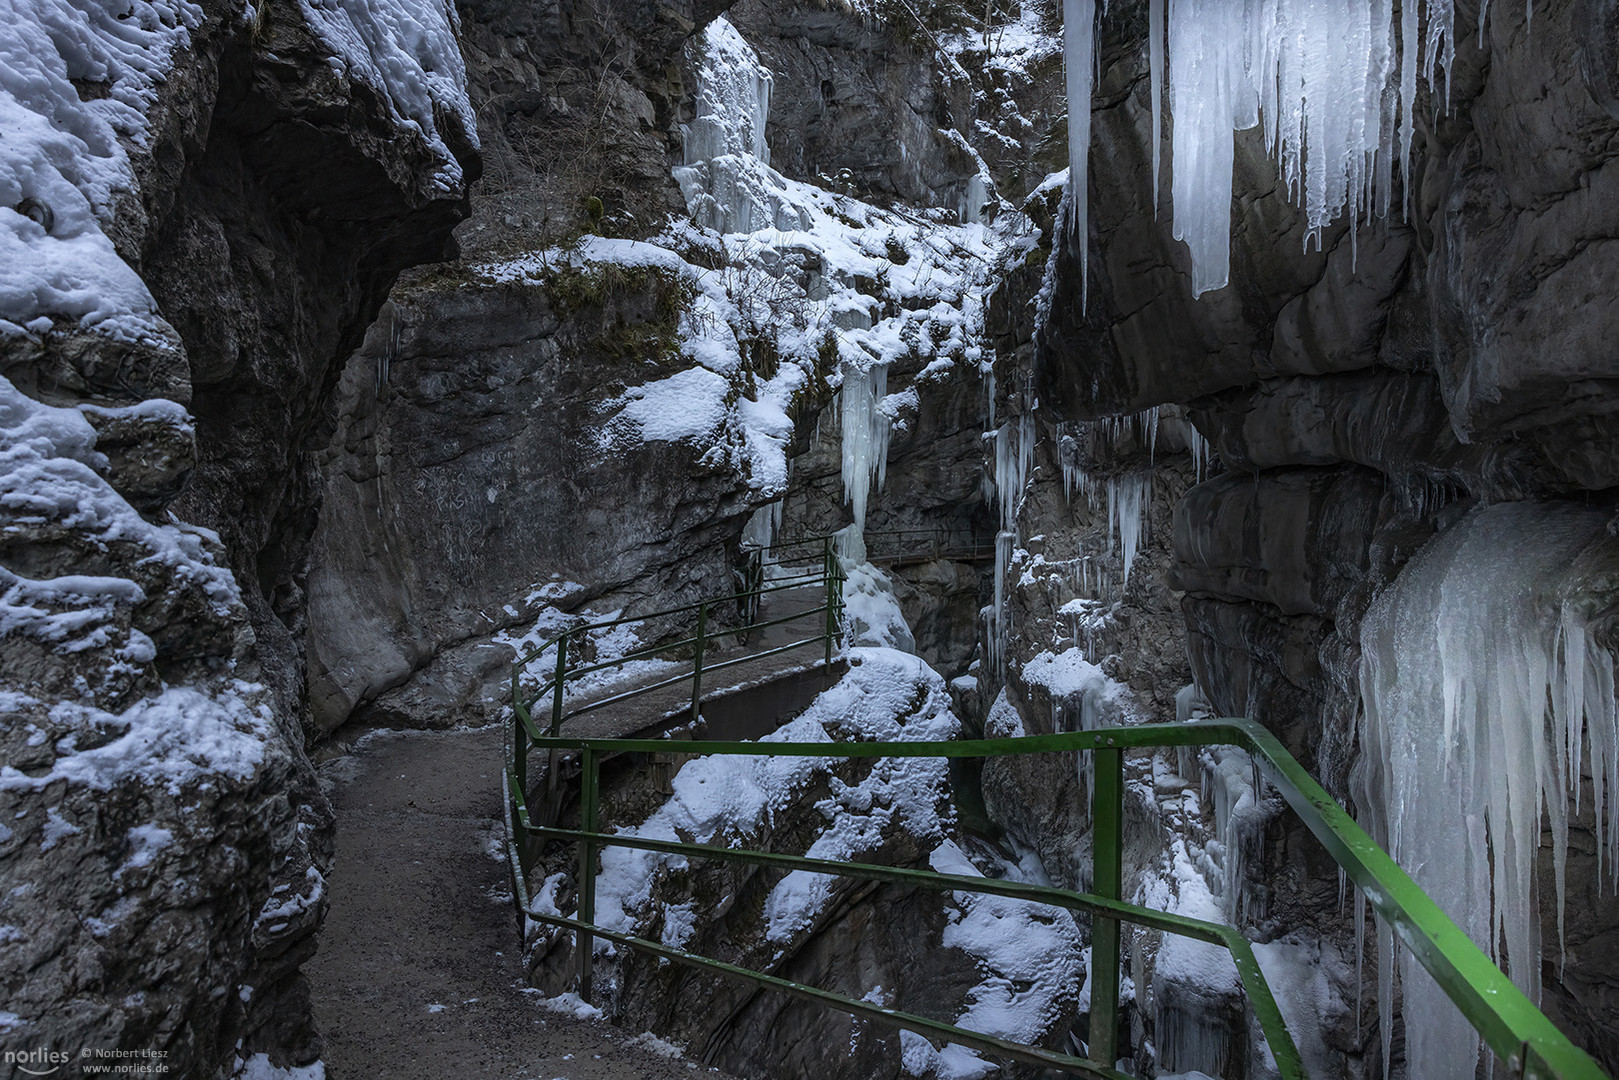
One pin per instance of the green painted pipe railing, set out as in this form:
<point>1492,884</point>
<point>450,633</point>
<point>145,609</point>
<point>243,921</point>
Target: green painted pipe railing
<point>1509,1023</point>
<point>827,578</point>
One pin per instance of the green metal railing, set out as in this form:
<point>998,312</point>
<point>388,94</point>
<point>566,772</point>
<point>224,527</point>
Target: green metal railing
<point>827,577</point>
<point>1510,1024</point>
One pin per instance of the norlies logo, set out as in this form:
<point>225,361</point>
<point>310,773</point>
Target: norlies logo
<point>91,1061</point>
<point>37,1062</point>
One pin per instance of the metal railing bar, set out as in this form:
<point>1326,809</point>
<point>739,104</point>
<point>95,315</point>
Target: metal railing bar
<point>792,583</point>
<point>1090,903</point>
<point>1509,1022</point>
<point>592,706</point>
<point>816,640</point>
<point>794,617</point>
<point>908,1021</point>
<point>684,676</point>
<point>1288,1062</point>
<point>1512,1026</point>
<point>649,653</point>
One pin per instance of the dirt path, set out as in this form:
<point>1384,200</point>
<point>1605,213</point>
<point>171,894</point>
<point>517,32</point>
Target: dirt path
<point>418,976</point>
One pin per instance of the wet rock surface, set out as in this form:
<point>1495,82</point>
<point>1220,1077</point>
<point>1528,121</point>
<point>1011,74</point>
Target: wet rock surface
<point>472,468</point>
<point>1366,391</point>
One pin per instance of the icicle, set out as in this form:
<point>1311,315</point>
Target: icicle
<point>999,630</point>
<point>1206,46</point>
<point>1408,94</point>
<point>865,435</point>
<point>1478,675</point>
<point>1155,66</point>
<point>1315,73</point>
<point>1079,37</point>
<point>763,527</point>
<point>1202,453</point>
<point>1360,956</point>
<point>1129,504</point>
<point>1238,818</point>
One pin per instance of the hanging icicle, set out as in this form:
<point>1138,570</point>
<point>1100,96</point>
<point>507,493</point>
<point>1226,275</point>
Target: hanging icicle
<point>1324,77</point>
<point>1079,37</point>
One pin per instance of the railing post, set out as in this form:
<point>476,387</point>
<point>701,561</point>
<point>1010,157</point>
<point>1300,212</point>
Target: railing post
<point>561,675</point>
<point>587,865</point>
<point>697,666</point>
<point>1107,813</point>
<point>519,739</point>
<point>831,596</point>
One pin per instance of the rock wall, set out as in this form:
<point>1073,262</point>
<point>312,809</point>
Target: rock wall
<point>1363,394</point>
<point>473,480</point>
<point>165,836</point>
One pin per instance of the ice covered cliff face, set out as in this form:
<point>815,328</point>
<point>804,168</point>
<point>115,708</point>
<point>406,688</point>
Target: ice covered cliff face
<point>1487,698</point>
<point>725,176</point>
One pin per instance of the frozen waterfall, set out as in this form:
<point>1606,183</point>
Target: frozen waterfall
<point>1484,690</point>
<point>1332,82</point>
<point>865,435</point>
<point>726,177</point>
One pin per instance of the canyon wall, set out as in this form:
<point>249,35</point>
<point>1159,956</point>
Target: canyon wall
<point>1365,391</point>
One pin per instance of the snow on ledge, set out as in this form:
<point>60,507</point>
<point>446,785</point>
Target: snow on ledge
<point>65,162</point>
<point>408,50</point>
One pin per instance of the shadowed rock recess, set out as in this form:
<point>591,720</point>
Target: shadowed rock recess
<point>350,350</point>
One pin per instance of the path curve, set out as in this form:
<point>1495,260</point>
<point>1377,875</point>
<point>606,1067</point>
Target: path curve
<point>418,974</point>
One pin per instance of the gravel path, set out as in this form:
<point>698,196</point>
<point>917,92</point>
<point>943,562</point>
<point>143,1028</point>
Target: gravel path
<point>418,975</point>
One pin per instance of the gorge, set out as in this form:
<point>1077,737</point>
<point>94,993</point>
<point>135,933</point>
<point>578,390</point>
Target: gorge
<point>1201,359</point>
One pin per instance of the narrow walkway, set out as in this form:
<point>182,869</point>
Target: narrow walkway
<point>418,975</point>
<point>640,713</point>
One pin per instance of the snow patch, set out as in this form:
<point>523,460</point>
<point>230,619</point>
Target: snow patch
<point>409,50</point>
<point>258,1067</point>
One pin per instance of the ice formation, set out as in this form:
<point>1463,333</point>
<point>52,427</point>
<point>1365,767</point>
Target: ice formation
<point>1331,81</point>
<point>1014,457</point>
<point>725,175</point>
<point>1079,47</point>
<point>865,435</point>
<point>1129,503</point>
<point>1485,694</point>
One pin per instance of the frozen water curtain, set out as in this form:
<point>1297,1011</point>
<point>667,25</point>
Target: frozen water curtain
<point>1331,83</point>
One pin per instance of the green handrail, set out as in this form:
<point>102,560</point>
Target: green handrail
<point>828,577</point>
<point>1507,1020</point>
<point>1509,1023</point>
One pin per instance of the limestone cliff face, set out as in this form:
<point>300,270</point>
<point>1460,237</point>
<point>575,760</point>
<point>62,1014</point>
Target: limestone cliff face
<point>165,837</point>
<point>1362,395</point>
<point>473,479</point>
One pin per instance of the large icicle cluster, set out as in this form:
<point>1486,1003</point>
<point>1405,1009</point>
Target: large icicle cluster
<point>865,435</point>
<point>1331,81</point>
<point>1483,686</point>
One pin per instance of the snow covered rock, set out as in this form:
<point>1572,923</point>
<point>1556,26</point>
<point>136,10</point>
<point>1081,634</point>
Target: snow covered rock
<point>198,203</point>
